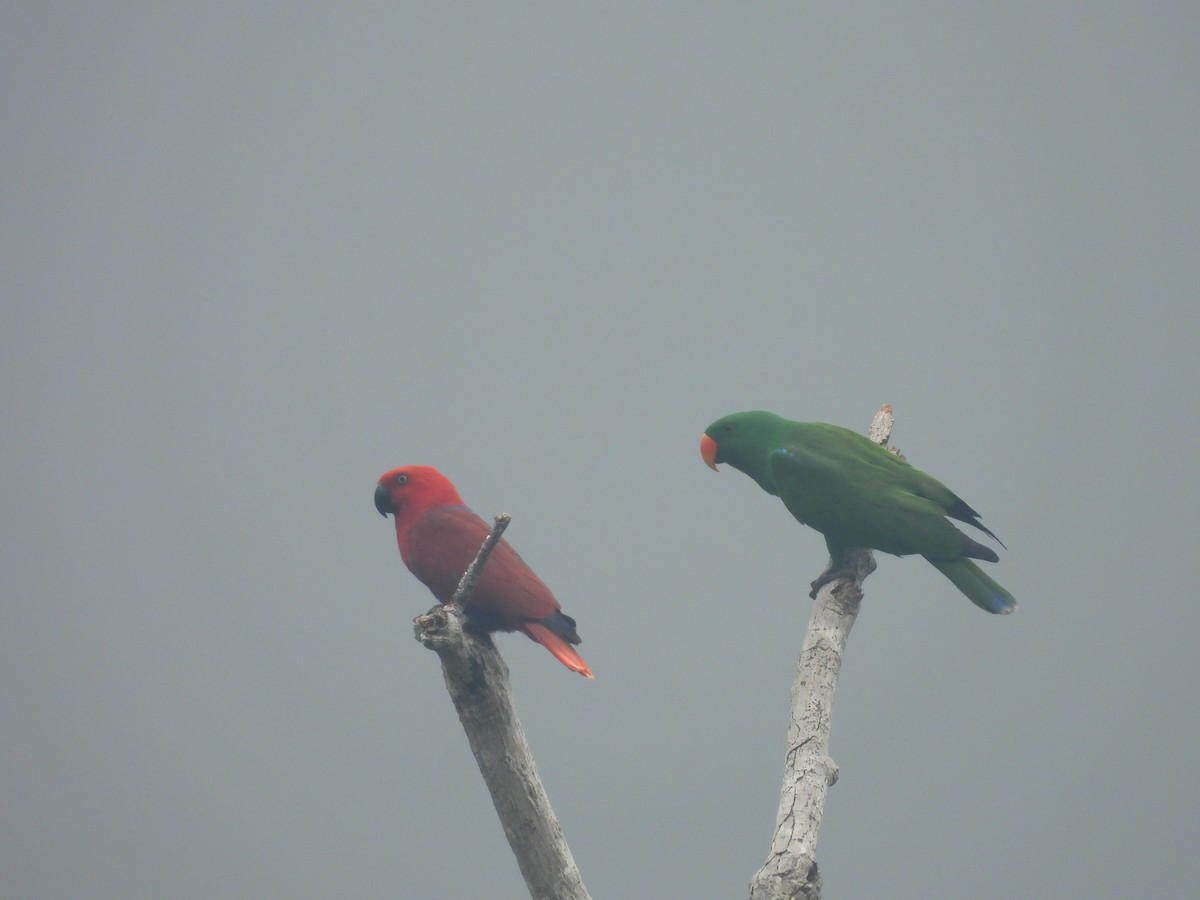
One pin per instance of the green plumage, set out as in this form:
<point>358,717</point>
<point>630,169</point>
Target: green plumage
<point>857,494</point>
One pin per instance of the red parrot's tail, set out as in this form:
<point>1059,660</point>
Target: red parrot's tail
<point>562,651</point>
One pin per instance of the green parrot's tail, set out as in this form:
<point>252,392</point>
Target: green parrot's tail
<point>974,582</point>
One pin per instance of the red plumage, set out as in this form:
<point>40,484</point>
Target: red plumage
<point>438,538</point>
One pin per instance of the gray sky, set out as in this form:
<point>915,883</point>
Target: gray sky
<point>252,259</point>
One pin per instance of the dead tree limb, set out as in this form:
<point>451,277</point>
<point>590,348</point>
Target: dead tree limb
<point>790,872</point>
<point>477,679</point>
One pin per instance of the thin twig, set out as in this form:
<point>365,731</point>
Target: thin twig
<point>470,578</point>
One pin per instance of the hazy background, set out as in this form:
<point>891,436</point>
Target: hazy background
<point>253,258</point>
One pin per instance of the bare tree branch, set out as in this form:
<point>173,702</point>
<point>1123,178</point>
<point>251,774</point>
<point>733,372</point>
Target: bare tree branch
<point>881,426</point>
<point>477,679</point>
<point>790,872</point>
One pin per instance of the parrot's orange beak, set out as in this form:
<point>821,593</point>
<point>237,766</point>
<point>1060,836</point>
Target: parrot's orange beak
<point>708,452</point>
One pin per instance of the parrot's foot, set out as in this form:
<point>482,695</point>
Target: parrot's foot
<point>832,574</point>
<point>845,564</point>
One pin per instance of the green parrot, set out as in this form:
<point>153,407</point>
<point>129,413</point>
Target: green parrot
<point>857,494</point>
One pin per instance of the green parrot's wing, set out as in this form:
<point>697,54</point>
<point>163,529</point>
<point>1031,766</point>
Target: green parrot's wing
<point>832,440</point>
<point>858,494</point>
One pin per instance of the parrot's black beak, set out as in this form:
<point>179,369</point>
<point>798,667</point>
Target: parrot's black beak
<point>383,501</point>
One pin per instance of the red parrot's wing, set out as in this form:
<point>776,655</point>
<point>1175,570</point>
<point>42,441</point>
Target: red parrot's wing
<point>441,545</point>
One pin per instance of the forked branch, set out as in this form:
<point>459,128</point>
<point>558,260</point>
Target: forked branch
<point>477,679</point>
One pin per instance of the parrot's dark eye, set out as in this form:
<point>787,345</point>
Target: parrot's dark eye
<point>401,479</point>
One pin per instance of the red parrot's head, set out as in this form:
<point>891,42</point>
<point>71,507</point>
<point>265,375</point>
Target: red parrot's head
<point>414,487</point>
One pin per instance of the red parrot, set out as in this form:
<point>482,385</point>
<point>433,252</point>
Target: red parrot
<point>439,537</point>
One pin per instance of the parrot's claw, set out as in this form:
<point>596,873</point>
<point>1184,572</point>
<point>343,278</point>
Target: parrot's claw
<point>831,574</point>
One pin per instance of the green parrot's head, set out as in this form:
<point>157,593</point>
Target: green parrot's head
<point>744,440</point>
